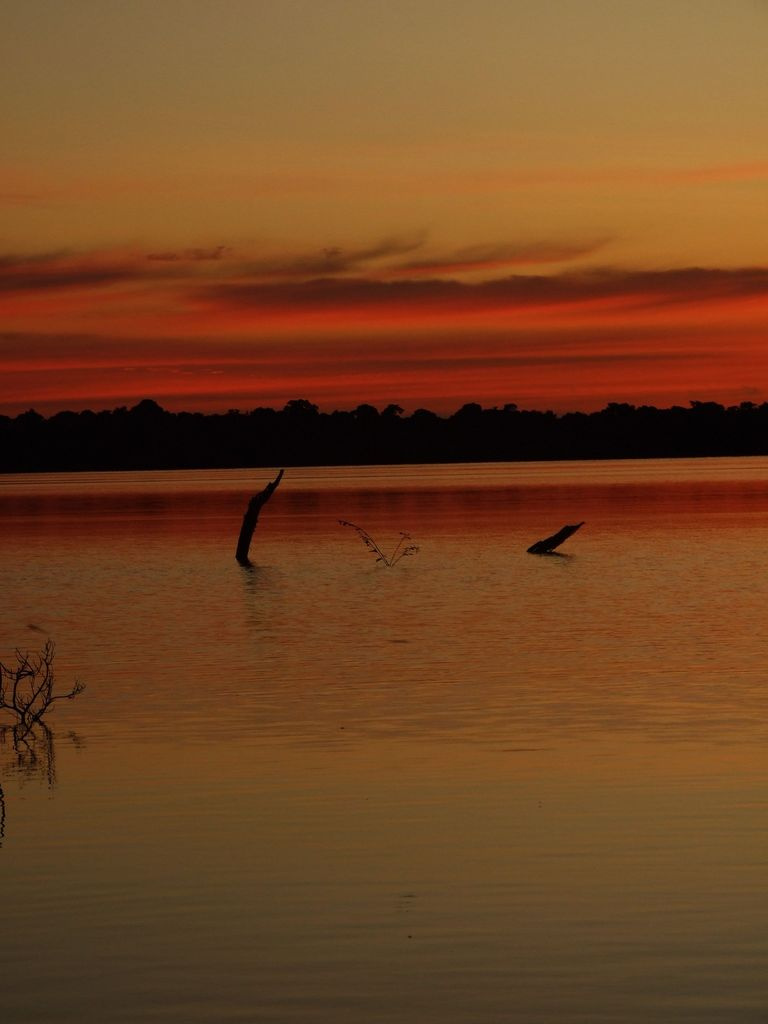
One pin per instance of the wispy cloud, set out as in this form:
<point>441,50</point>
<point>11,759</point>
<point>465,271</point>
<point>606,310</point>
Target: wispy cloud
<point>226,266</point>
<point>331,259</point>
<point>45,271</point>
<point>641,288</point>
<point>495,258</point>
<point>203,255</point>
<point>376,278</point>
<point>65,270</point>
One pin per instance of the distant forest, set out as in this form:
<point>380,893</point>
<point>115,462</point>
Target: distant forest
<point>149,437</point>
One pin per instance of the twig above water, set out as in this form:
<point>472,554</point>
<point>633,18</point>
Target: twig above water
<point>402,549</point>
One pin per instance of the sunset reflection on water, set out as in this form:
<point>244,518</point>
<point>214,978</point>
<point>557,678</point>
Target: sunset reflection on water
<point>479,785</point>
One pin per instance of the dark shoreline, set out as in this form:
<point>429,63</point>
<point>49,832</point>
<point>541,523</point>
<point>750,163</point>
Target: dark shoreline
<point>149,437</point>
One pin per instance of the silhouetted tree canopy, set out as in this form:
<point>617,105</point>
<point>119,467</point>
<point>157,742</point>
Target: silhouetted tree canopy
<point>149,437</point>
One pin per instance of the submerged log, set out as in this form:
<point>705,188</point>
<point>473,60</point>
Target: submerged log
<point>251,517</point>
<point>548,545</point>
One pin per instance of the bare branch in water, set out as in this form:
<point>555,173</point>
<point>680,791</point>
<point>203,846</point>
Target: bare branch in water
<point>27,688</point>
<point>402,549</point>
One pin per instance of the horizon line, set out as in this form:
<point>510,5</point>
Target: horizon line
<point>398,412</point>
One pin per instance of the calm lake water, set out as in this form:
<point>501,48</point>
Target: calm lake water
<point>478,786</point>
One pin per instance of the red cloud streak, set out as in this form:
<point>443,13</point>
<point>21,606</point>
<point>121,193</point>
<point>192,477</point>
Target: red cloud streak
<point>218,332</point>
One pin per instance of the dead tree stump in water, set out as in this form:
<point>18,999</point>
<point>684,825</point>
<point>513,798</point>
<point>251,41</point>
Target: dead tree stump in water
<point>251,518</point>
<point>548,545</point>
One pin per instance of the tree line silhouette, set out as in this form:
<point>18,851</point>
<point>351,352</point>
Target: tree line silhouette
<point>147,436</point>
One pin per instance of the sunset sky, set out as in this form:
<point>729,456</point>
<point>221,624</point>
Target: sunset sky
<point>232,203</point>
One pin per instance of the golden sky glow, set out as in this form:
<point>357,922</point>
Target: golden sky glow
<point>231,204</point>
